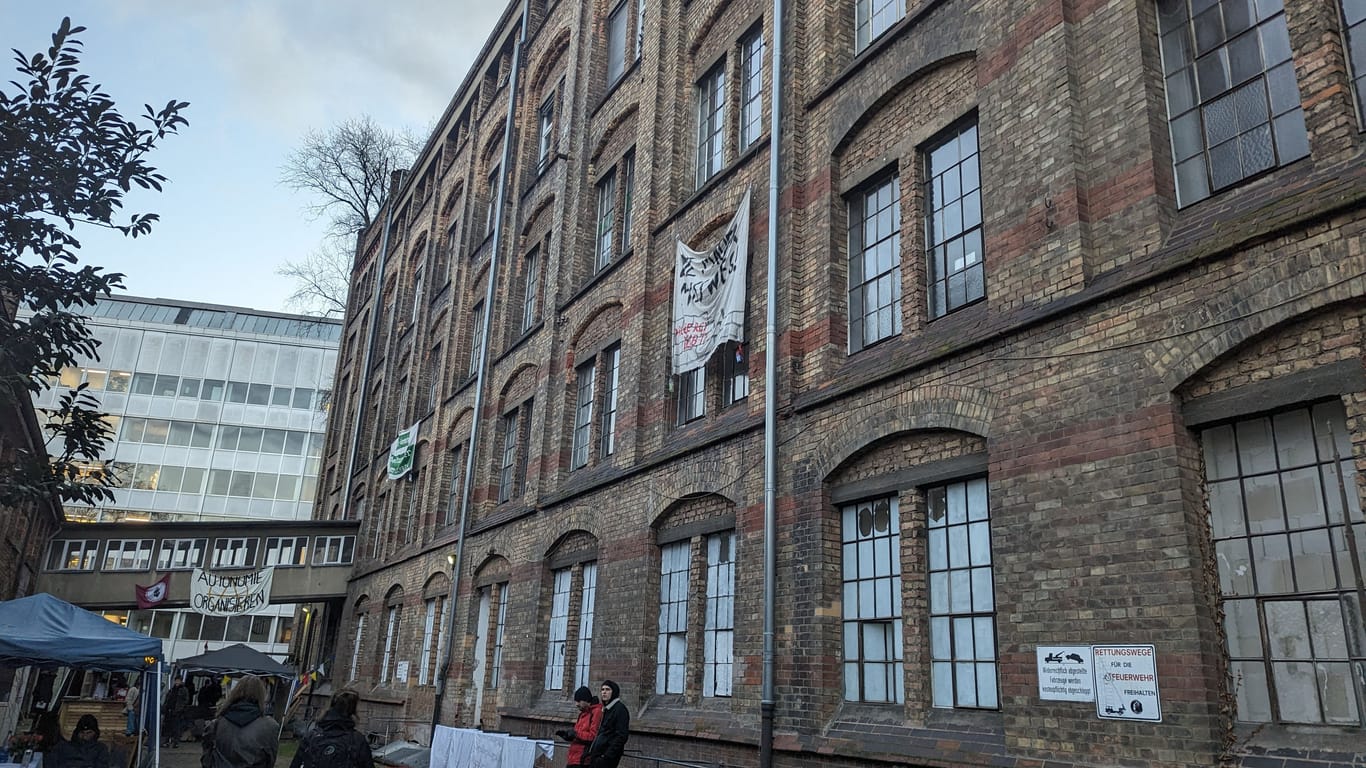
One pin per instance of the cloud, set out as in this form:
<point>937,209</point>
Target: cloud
<point>311,63</point>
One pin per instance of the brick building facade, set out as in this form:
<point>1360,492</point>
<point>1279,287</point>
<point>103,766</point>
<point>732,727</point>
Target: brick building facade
<point>1070,354</point>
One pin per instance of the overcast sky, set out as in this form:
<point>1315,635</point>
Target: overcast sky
<point>259,74</point>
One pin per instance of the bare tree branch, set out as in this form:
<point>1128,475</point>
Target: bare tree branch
<point>321,279</point>
<point>346,169</point>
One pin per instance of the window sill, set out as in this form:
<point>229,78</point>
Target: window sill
<point>718,179</point>
<point>593,281</point>
<point>519,341</point>
<point>1339,745</point>
<point>613,87</point>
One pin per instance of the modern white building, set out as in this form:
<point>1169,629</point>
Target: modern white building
<point>218,415</point>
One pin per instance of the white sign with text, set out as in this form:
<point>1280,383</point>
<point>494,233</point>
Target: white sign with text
<point>1126,682</point>
<point>1066,673</point>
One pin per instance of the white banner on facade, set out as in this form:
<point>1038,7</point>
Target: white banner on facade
<point>235,593</point>
<point>709,294</point>
<point>401,452</point>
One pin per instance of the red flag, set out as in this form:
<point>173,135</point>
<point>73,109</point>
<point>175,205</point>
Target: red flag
<point>155,594</point>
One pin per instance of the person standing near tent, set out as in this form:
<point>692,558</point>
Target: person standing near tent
<point>130,709</point>
<point>85,750</point>
<point>334,742</point>
<point>173,714</point>
<point>243,735</point>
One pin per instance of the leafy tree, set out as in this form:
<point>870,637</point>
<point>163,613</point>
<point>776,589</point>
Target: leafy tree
<point>67,158</point>
<point>346,170</point>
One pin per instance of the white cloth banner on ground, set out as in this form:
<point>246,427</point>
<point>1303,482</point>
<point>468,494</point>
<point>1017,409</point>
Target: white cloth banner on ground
<point>234,593</point>
<point>472,748</point>
<point>709,294</point>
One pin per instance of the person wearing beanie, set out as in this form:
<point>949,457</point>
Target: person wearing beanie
<point>85,750</point>
<point>610,743</point>
<point>585,728</point>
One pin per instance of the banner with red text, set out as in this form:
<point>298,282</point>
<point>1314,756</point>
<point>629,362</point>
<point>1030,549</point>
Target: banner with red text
<point>709,294</point>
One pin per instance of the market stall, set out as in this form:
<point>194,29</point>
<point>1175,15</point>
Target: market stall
<point>43,631</point>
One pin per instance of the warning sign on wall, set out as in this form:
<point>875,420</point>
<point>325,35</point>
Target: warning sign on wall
<point>1126,682</point>
<point>1065,673</point>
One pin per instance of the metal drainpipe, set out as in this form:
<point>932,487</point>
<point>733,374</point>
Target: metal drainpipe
<point>369,350</point>
<point>767,704</point>
<point>509,134</point>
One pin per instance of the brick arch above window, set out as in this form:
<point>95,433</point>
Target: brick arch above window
<point>600,326</point>
<point>438,585</point>
<point>575,546</point>
<point>540,220</point>
<point>361,605</point>
<point>548,62</point>
<point>855,109</point>
<point>493,569</point>
<point>615,135</point>
<point>394,596</point>
<point>458,428</point>
<point>963,409</point>
<point>448,206</point>
<point>906,460</point>
<point>519,385</point>
<point>693,516</point>
<point>706,16</point>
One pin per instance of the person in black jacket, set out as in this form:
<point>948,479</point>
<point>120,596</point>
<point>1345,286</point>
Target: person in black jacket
<point>243,735</point>
<point>334,742</point>
<point>85,750</point>
<point>615,729</point>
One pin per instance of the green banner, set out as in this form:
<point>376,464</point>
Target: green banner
<point>402,451</point>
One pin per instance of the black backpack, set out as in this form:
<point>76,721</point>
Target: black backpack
<point>330,748</point>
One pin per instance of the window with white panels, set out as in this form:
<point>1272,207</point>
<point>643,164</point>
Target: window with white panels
<point>334,550</point>
<point>587,605</point>
<point>181,554</point>
<point>559,629</point>
<point>235,552</point>
<point>962,596</point>
<point>874,17</point>
<point>128,555</point>
<point>672,653</point>
<point>395,619</point>
<point>751,88</point>
<point>286,550</point>
<point>871,563</point>
<point>499,629</point>
<point>711,123</point>
<point>1290,554</point>
<point>356,646</point>
<point>718,632</point>
<point>875,263</point>
<point>1233,102</point>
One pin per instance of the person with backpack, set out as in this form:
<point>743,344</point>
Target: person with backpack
<point>334,742</point>
<point>585,729</point>
<point>243,735</point>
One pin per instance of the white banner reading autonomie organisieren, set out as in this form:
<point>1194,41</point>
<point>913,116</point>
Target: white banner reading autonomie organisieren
<point>709,294</point>
<point>231,593</point>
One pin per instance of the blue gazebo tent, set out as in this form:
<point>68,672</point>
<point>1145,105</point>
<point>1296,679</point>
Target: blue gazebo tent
<point>44,631</point>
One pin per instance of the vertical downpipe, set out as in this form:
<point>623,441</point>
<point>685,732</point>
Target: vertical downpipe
<point>509,136</point>
<point>766,705</point>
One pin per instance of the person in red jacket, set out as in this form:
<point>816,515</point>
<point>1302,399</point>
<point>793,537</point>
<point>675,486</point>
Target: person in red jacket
<point>585,728</point>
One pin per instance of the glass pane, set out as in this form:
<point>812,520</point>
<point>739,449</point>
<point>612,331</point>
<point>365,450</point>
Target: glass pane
<point>1235,567</point>
<point>939,638</point>
<point>1297,692</point>
<point>943,684</point>
<point>1255,449</point>
<point>1313,561</point>
<point>983,597</point>
<point>986,686</point>
<point>1326,632</point>
<point>1221,457</point>
<point>960,592</point>
<point>1272,556</point>
<point>1337,694</point>
<point>1262,495</point>
<point>1249,686</point>
<point>1287,630</point>
<point>1241,629</point>
<point>1303,498</point>
<point>1226,509</point>
<point>1294,438</point>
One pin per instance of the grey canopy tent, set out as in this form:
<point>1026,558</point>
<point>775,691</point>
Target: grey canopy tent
<point>236,659</point>
<point>44,631</point>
